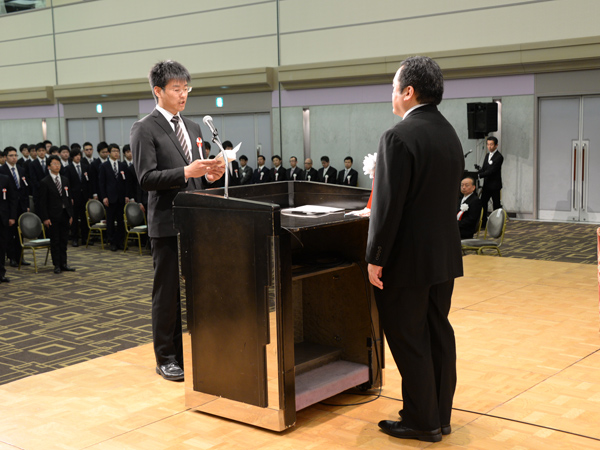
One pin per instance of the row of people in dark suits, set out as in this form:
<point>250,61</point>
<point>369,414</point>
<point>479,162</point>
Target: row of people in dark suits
<point>244,174</point>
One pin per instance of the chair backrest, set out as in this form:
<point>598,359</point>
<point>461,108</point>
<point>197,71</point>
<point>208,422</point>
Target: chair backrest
<point>134,215</point>
<point>479,223</point>
<point>95,211</point>
<point>30,225</point>
<point>496,224</point>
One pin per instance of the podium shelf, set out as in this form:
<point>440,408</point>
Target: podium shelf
<point>328,380</point>
<point>300,271</point>
<point>309,356</point>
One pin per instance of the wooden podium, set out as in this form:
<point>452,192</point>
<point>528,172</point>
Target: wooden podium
<point>280,312</point>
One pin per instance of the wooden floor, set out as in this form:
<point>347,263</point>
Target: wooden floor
<point>528,378</point>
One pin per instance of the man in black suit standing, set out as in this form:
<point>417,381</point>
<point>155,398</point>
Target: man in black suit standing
<point>114,192</point>
<point>491,173</point>
<point>310,173</point>
<point>38,169</point>
<point>19,185</point>
<point>327,174</point>
<point>348,176</point>
<point>294,173</point>
<point>413,249</point>
<point>261,174</point>
<point>234,170</point>
<point>277,171</point>
<point>469,209</point>
<point>245,171</point>
<point>81,192</point>
<point>167,161</point>
<point>8,217</point>
<point>56,211</point>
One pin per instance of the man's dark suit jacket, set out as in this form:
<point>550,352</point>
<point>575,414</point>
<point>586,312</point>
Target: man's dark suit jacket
<point>89,172</point>
<point>81,190</point>
<point>159,164</point>
<point>296,170</point>
<point>470,218</point>
<point>312,173</point>
<point>331,175</point>
<point>8,201</point>
<point>412,228</point>
<point>281,175</point>
<point>246,174</point>
<point>111,187</point>
<point>234,178</point>
<point>51,201</point>
<point>492,173</point>
<point>265,178</point>
<point>353,174</point>
<point>37,171</point>
<point>23,190</point>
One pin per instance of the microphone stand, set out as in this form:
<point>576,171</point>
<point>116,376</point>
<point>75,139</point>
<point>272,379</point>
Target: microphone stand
<point>217,141</point>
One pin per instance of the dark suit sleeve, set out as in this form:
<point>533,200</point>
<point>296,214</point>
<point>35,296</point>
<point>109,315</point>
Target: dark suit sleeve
<point>489,170</point>
<point>145,141</point>
<point>102,183</point>
<point>392,180</point>
<point>43,203</point>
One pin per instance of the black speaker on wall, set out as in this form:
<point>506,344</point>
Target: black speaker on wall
<point>482,118</point>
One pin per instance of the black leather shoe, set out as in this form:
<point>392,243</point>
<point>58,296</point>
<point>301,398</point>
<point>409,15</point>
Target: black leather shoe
<point>446,429</point>
<point>57,270</point>
<point>4,280</point>
<point>171,371</point>
<point>67,269</point>
<point>113,248</point>
<point>14,263</point>
<point>396,429</point>
<point>25,263</point>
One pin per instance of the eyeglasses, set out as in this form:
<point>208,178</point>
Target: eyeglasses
<point>179,91</point>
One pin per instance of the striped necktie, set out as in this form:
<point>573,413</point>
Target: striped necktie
<point>58,184</point>
<point>14,174</point>
<point>181,138</point>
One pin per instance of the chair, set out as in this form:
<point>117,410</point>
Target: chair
<point>479,224</point>
<point>30,227</point>
<point>494,229</point>
<point>94,214</point>
<point>135,223</point>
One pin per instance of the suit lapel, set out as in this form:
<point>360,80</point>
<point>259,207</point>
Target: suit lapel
<point>190,126</point>
<point>166,126</point>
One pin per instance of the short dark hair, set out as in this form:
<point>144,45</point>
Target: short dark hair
<point>494,139</point>
<point>293,157</point>
<point>22,146</point>
<point>52,158</point>
<point>275,156</point>
<point>126,148</point>
<point>31,147</point>
<point>207,145</point>
<point>244,157</point>
<point>40,145</point>
<point>88,143</point>
<point>9,149</point>
<point>47,142</point>
<point>113,145</point>
<point>325,158</point>
<point>426,78</point>
<point>101,146</point>
<point>163,72</point>
<point>74,152</point>
<point>261,156</point>
<point>75,145</point>
<point>63,147</point>
<point>349,158</point>
<point>227,144</point>
<point>54,149</point>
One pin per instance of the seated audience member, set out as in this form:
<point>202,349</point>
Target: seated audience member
<point>262,174</point>
<point>81,192</point>
<point>348,176</point>
<point>294,173</point>
<point>277,171</point>
<point>20,186</point>
<point>310,173</point>
<point>56,212</point>
<point>8,218</point>
<point>327,174</point>
<point>234,170</point>
<point>245,170</point>
<point>114,192</point>
<point>469,209</point>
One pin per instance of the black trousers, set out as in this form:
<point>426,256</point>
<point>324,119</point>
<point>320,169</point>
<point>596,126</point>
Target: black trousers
<point>166,302</point>
<point>486,194</point>
<point>58,233</point>
<point>79,226</point>
<point>114,213</point>
<point>3,242</point>
<point>415,322</point>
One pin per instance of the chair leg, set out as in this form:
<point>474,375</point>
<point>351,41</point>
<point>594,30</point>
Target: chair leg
<point>21,258</point>
<point>139,236</point>
<point>126,242</point>
<point>88,239</point>
<point>34,260</point>
<point>102,239</point>
<point>47,253</point>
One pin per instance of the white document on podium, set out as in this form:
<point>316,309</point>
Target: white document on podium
<point>231,154</point>
<point>311,210</point>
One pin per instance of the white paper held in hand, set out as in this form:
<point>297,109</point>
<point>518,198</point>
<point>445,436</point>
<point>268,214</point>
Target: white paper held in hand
<point>231,154</point>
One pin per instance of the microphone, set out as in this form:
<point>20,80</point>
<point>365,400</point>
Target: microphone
<point>467,154</point>
<point>209,123</point>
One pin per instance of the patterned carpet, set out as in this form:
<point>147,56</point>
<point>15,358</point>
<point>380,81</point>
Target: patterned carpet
<point>49,321</point>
